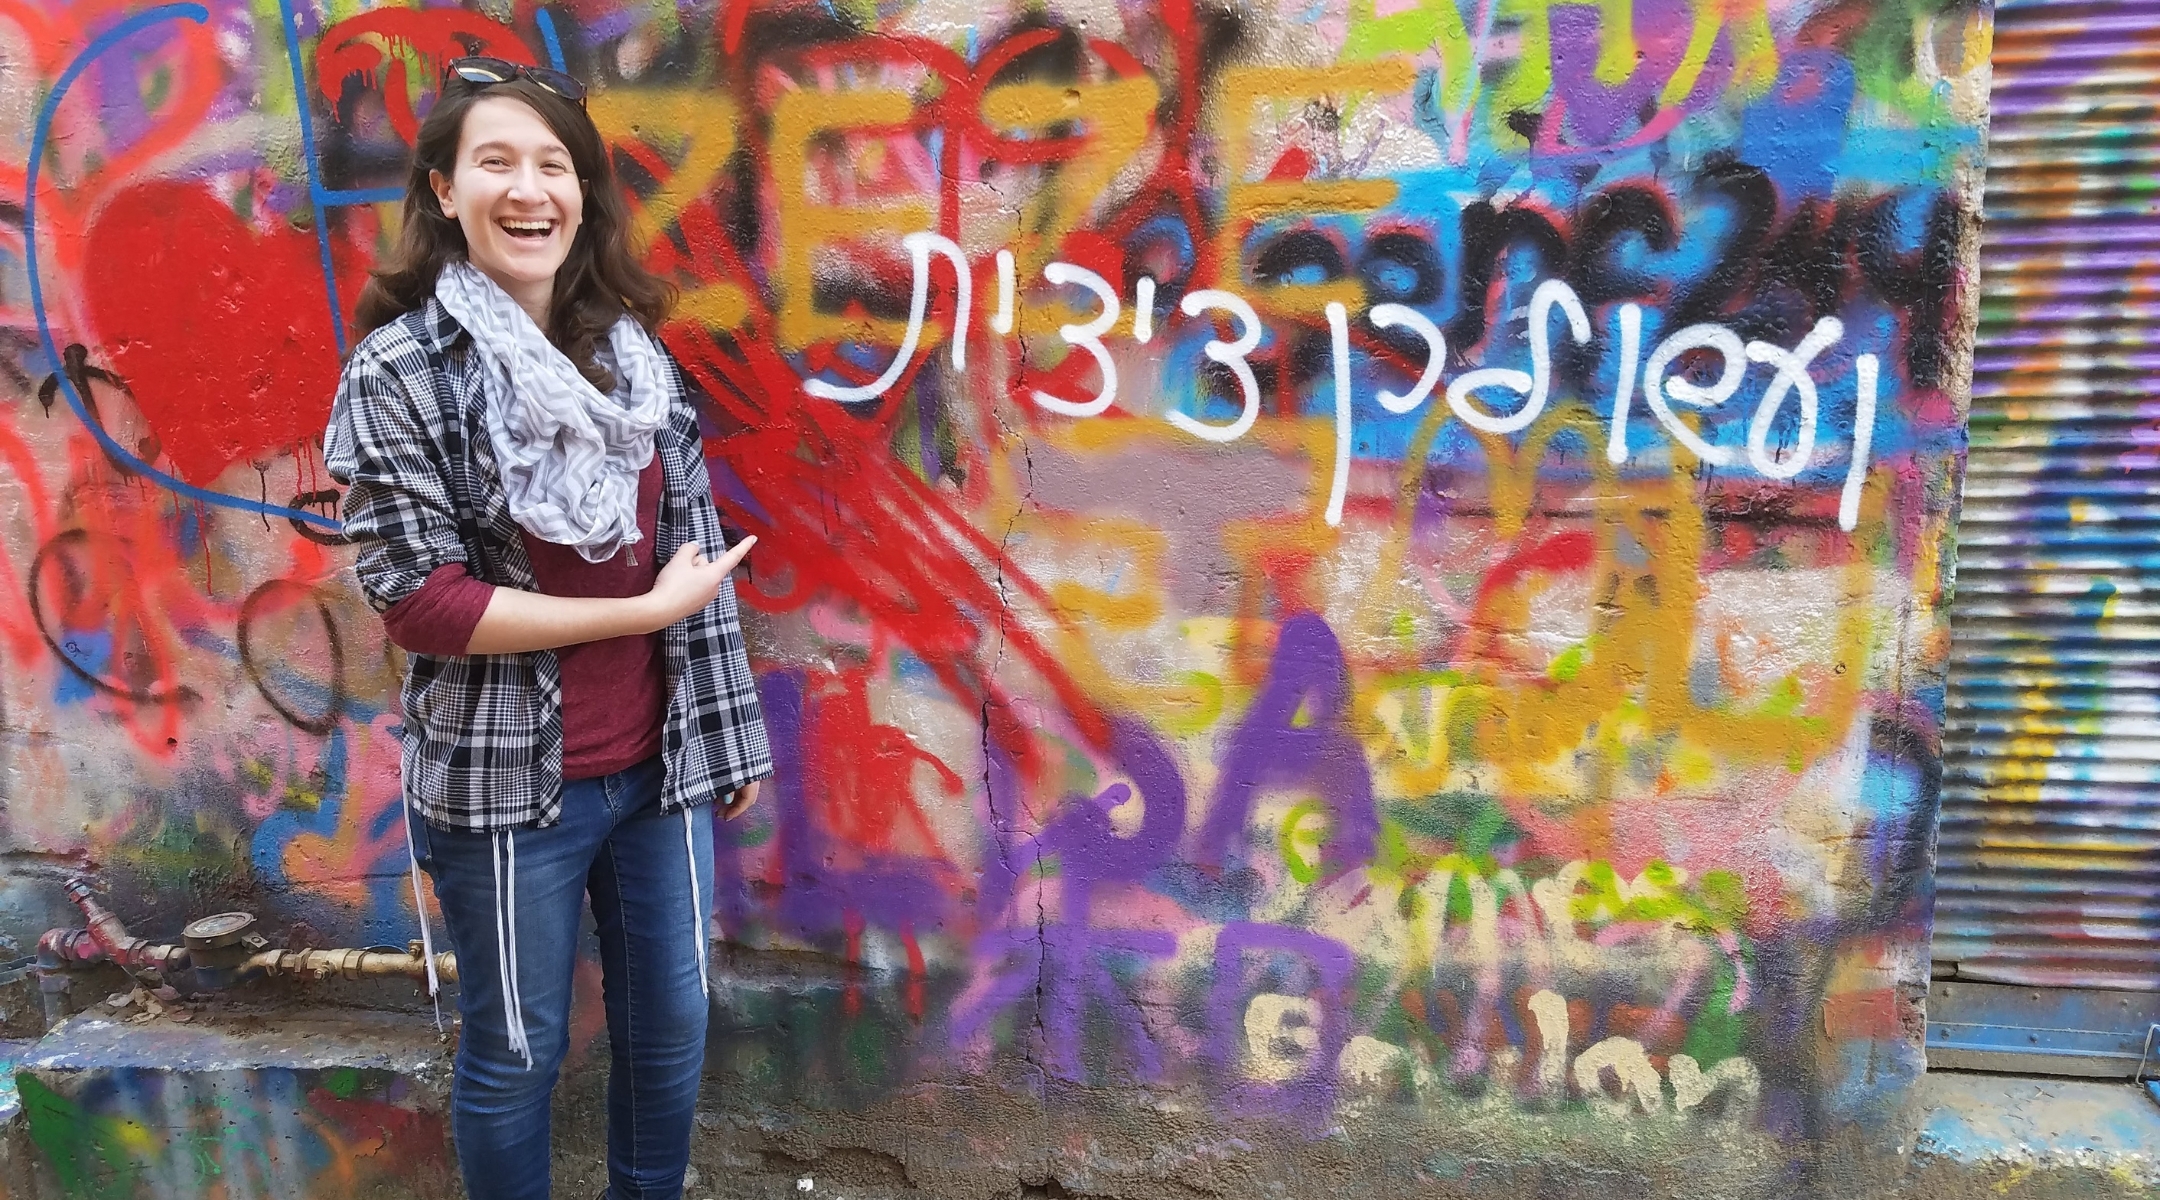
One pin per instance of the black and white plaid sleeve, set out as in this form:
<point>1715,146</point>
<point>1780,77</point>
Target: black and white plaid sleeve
<point>385,448</point>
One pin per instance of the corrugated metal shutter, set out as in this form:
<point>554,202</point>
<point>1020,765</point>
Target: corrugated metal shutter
<point>2049,859</point>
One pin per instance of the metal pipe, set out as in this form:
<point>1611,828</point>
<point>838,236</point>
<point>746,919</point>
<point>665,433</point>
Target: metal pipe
<point>75,949</point>
<point>353,964</point>
<point>61,949</point>
<point>112,937</point>
<point>52,968</point>
<point>220,950</point>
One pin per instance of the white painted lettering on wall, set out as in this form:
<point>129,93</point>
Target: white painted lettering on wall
<point>1471,396</point>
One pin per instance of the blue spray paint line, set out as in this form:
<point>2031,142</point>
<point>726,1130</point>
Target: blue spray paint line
<point>40,134</point>
<point>339,196</point>
<point>316,195</point>
<point>546,21</point>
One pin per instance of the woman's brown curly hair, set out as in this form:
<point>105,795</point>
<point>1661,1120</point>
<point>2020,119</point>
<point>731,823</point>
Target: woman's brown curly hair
<point>600,280</point>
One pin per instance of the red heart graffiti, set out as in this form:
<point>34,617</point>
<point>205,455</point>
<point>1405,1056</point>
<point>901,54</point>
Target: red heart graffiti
<point>223,336</point>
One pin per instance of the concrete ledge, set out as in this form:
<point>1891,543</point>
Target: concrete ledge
<point>237,1106</point>
<point>352,1104</point>
<point>2003,1135</point>
<point>1961,1137</point>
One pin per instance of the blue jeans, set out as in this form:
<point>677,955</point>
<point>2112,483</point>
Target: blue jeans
<point>613,843</point>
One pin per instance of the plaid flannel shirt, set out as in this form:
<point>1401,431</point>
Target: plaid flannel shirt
<point>483,735</point>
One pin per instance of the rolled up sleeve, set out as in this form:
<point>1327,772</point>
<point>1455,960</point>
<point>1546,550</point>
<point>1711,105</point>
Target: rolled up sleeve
<point>439,618</point>
<point>397,509</point>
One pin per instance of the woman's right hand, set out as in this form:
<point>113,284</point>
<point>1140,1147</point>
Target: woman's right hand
<point>690,580</point>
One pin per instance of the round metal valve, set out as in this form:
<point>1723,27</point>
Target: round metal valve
<point>217,931</point>
<point>218,947</point>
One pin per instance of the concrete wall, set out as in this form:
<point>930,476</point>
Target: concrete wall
<point>1250,747</point>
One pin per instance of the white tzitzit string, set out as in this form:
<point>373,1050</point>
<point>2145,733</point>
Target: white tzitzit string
<point>427,936</point>
<point>506,949</point>
<point>697,905</point>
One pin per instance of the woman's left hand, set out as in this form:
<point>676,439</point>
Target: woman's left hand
<point>740,802</point>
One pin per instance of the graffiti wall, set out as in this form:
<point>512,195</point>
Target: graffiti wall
<point>1307,551</point>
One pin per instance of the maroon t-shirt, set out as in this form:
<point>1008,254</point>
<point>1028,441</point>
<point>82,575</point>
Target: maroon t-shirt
<point>614,692</point>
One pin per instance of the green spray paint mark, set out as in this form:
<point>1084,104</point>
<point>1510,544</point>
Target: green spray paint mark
<point>113,1158</point>
<point>906,442</point>
<point>93,1156</point>
<point>1300,841</point>
<point>1722,899</point>
<point>1471,823</point>
<point>1716,1033</point>
<point>1402,626</point>
<point>1717,904</point>
<point>1428,25</point>
<point>1882,59</point>
<point>274,90</point>
<point>159,89</point>
<point>1202,710</point>
<point>666,24</point>
<point>1466,708</point>
<point>1394,853</point>
<point>868,1051</point>
<point>1784,699</point>
<point>752,831</point>
<point>1459,908</point>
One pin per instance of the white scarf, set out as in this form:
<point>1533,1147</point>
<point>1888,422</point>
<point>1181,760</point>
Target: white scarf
<point>569,456</point>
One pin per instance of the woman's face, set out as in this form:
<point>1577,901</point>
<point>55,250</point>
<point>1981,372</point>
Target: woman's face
<point>517,196</point>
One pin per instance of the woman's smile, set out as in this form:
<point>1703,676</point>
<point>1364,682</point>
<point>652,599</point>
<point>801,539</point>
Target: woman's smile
<point>527,231</point>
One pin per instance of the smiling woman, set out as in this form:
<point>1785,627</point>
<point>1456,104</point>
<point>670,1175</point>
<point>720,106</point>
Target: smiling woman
<point>517,152</point>
<point>528,495</point>
<point>518,197</point>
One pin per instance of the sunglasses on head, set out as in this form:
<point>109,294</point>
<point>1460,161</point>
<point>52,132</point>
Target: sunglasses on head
<point>484,72</point>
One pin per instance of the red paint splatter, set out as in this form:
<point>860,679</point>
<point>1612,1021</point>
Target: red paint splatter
<point>917,971</point>
<point>867,771</point>
<point>1292,166</point>
<point>406,1137</point>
